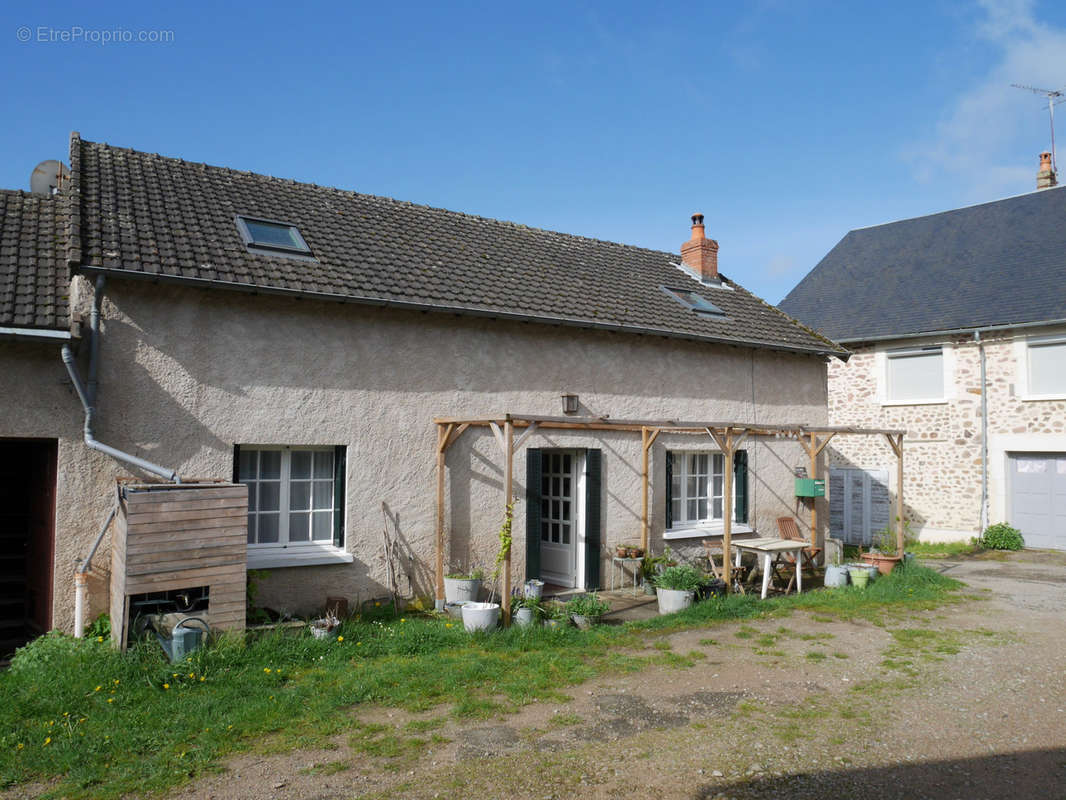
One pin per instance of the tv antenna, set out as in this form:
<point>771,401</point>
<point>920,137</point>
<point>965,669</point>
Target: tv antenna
<point>1054,97</point>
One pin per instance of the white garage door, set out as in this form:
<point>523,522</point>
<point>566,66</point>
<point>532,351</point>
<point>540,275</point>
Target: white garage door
<point>1038,498</point>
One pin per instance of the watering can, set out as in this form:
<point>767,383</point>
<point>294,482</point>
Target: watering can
<point>186,636</point>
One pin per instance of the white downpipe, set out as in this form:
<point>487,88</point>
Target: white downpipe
<point>81,579</point>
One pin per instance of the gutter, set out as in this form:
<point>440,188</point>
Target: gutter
<point>38,334</point>
<point>953,331</point>
<point>211,283</point>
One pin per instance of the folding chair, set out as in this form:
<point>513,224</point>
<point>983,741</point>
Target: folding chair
<point>714,550</point>
<point>788,529</point>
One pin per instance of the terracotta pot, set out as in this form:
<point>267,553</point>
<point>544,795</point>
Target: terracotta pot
<point>884,563</point>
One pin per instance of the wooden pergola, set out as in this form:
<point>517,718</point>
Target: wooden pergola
<point>727,435</point>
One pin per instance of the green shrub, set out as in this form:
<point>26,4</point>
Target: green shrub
<point>682,578</point>
<point>588,605</point>
<point>1002,536</point>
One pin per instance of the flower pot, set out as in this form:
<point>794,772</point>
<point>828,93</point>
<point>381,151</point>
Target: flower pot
<point>884,562</point>
<point>320,629</point>
<point>457,589</point>
<point>524,617</point>
<point>860,576</point>
<point>671,600</point>
<point>836,575</point>
<point>534,588</point>
<point>622,551</point>
<point>481,616</point>
<point>584,622</point>
<point>455,609</point>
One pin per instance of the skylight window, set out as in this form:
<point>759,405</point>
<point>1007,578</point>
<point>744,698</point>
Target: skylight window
<point>272,238</point>
<point>698,303</point>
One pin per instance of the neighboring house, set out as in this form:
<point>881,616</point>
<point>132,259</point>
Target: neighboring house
<point>957,324</point>
<point>302,339</point>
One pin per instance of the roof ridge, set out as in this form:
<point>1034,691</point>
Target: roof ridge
<point>352,192</point>
<point>960,208</point>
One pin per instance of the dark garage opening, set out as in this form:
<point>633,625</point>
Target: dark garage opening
<point>27,540</point>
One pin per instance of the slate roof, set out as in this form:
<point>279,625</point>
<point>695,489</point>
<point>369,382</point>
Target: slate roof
<point>999,263</point>
<point>146,215</point>
<point>33,273</point>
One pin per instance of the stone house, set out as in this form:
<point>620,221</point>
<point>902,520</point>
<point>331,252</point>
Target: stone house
<point>957,325</point>
<point>301,340</point>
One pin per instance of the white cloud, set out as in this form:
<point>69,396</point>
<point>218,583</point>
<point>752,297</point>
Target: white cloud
<point>989,138</point>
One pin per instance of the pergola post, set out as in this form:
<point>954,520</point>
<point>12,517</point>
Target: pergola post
<point>895,441</point>
<point>508,492</point>
<point>443,433</point>
<point>647,439</point>
<point>727,513</point>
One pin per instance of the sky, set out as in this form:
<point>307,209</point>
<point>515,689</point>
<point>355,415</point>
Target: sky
<point>786,123</point>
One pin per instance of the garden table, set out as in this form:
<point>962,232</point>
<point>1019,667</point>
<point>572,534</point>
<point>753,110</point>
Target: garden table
<point>769,551</point>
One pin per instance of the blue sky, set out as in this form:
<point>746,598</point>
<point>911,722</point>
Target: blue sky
<point>785,123</point>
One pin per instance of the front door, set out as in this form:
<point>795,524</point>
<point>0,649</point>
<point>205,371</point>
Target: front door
<point>559,517</point>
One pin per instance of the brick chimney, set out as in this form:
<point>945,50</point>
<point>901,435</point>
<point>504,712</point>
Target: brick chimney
<point>699,252</point>
<point>1045,178</point>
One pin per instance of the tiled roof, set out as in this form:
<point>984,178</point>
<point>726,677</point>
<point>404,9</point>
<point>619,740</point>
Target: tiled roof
<point>33,274</point>
<point>1000,263</point>
<point>173,219</point>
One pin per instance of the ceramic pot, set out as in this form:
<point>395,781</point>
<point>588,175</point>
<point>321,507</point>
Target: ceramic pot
<point>458,589</point>
<point>860,576</point>
<point>534,588</point>
<point>524,617</point>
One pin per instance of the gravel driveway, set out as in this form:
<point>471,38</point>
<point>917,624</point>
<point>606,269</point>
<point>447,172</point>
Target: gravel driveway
<point>968,701</point>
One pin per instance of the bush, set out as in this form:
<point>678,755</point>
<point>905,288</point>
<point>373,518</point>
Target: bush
<point>681,578</point>
<point>1002,536</point>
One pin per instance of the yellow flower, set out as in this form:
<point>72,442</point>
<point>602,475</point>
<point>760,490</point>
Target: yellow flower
<point>340,638</point>
<point>192,674</point>
<point>266,669</point>
<point>66,713</point>
<point>47,741</point>
<point>402,619</point>
<point>174,675</point>
<point>98,688</point>
<point>111,699</point>
<point>115,681</point>
<point>202,679</point>
<point>357,644</point>
<point>447,624</point>
<point>229,727</point>
<point>166,685</point>
<point>99,638</point>
<point>20,746</point>
<point>377,603</point>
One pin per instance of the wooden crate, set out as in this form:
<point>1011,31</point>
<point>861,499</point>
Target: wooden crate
<point>179,536</point>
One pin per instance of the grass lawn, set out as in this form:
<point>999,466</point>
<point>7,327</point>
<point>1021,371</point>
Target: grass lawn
<point>90,722</point>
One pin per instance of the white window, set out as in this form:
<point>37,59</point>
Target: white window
<point>697,486</point>
<point>1047,366</point>
<point>292,502</point>
<point>914,375</point>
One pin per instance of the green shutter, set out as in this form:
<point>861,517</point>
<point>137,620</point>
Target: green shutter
<point>534,469</point>
<point>593,517</point>
<point>740,484</point>
<point>339,473</point>
<point>669,489</point>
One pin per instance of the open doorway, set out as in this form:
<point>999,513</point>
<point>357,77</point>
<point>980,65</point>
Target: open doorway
<point>27,540</point>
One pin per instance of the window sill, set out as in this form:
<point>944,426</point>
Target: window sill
<point>271,558</point>
<point>703,531</point>
<point>941,401</point>
<point>1036,398</point>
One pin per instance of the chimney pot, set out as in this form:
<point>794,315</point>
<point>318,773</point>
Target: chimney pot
<point>1045,177</point>
<point>700,253</point>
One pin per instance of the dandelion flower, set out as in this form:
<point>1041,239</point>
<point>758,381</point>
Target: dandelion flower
<point>166,685</point>
<point>115,681</point>
<point>98,688</point>
<point>376,603</point>
<point>340,638</point>
<point>266,669</point>
<point>47,741</point>
<point>447,624</point>
<point>99,638</point>
<point>192,674</point>
<point>202,679</point>
<point>111,699</point>
<point>20,746</point>
<point>402,619</point>
<point>357,644</point>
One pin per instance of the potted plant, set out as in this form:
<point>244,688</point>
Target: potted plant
<point>326,626</point>
<point>649,568</point>
<point>586,609</point>
<point>463,586</point>
<point>555,615</point>
<point>860,575</point>
<point>676,587</point>
<point>883,555</point>
<point>526,610</point>
<point>622,551</point>
<point>534,588</point>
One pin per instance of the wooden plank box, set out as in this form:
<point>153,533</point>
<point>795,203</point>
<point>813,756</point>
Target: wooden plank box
<point>179,536</point>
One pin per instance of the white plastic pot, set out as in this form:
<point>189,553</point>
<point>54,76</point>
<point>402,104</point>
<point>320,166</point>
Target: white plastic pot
<point>459,589</point>
<point>671,600</point>
<point>583,622</point>
<point>534,588</point>
<point>481,616</point>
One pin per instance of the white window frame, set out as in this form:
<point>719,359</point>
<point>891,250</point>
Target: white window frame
<point>283,553</point>
<point>1023,351</point>
<point>947,366</point>
<point>710,526</point>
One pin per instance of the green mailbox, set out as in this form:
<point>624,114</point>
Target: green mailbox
<point>810,487</point>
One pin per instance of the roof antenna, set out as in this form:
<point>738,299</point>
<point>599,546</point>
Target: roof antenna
<point>1053,100</point>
